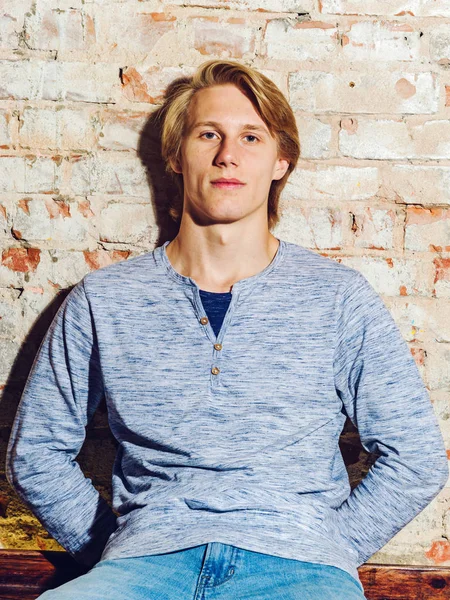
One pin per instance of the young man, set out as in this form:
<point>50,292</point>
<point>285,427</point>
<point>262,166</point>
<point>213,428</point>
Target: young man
<point>229,360</point>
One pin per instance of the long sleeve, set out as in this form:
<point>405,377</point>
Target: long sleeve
<point>384,396</point>
<point>62,391</point>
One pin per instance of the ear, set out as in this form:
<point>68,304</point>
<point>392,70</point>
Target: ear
<point>175,166</point>
<point>281,166</point>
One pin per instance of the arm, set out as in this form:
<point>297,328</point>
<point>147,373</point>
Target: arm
<point>384,396</point>
<point>62,391</point>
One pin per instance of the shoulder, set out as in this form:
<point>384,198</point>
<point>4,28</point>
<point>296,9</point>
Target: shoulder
<point>121,276</point>
<point>326,271</point>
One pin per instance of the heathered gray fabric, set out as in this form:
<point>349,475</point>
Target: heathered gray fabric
<point>248,456</point>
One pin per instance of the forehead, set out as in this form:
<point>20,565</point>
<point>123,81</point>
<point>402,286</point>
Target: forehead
<point>222,103</point>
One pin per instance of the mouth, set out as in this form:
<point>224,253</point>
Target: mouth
<point>230,184</point>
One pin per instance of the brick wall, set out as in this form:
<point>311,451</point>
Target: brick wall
<point>370,85</point>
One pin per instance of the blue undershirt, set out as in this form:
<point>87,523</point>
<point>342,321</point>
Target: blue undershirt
<point>215,305</point>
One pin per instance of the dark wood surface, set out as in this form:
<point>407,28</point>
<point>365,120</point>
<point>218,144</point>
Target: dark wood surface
<point>401,582</point>
<point>25,574</point>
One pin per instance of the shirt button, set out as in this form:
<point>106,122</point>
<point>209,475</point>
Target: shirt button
<point>204,320</point>
<point>215,371</point>
<point>218,346</point>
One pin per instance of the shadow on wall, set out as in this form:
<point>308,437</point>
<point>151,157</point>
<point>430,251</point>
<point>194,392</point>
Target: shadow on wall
<point>97,455</point>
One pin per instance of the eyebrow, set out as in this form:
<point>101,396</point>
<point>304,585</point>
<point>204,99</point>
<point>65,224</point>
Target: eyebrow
<point>248,126</point>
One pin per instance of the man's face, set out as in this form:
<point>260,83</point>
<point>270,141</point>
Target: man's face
<point>227,139</point>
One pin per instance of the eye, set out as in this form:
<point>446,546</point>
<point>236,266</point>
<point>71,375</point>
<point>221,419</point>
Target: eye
<point>208,133</point>
<point>249,135</point>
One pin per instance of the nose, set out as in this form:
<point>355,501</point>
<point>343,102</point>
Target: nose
<point>227,153</point>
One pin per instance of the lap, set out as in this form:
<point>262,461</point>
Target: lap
<point>177,576</point>
<point>171,576</point>
<point>285,579</point>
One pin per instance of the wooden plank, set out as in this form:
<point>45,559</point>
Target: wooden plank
<point>402,582</point>
<point>25,574</point>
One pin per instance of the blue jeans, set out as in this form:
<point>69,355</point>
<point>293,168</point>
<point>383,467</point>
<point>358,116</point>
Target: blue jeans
<point>213,571</point>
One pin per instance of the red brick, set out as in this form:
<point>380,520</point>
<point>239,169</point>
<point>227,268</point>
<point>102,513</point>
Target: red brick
<point>21,259</point>
<point>134,86</point>
<point>57,208</point>
<point>439,552</point>
<point>442,266</point>
<point>100,258</point>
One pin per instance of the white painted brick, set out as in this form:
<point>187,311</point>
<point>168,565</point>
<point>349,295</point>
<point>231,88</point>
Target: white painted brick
<point>140,31</point>
<point>12,174</point>
<point>438,366</point>
<point>53,80</point>
<point>393,277</point>
<point>372,91</point>
<point>80,82</point>
<point>422,319</point>
<point>109,174</point>
<point>431,8</point>
<point>319,228</point>
<point>427,229</point>
<point>34,301</point>
<point>148,84</point>
<point>45,221</point>
<point>439,321</point>
<point>42,175</point>
<point>10,314</point>
<point>420,184</point>
<point>12,15</point>
<point>381,139</point>
<point>315,137</point>
<point>332,182</point>
<point>68,268</point>
<point>20,79</point>
<point>442,278</point>
<point>300,41</point>
<point>150,5</point>
<point>386,139</point>
<point>55,29</point>
<point>382,41</point>
<point>294,6</point>
<point>417,8</point>
<point>69,4</point>
<point>78,129</point>
<point>5,134</point>
<point>31,174</point>
<point>38,129</point>
<point>412,315</point>
<point>8,352</point>
<point>59,128</point>
<point>232,39</point>
<point>373,228</point>
<point>4,225</point>
<point>121,130</point>
<point>126,223</point>
<point>440,43</point>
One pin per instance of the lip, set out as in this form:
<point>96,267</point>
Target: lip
<point>223,180</point>
<point>227,183</point>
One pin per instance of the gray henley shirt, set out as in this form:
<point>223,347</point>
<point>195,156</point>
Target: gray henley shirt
<point>230,438</point>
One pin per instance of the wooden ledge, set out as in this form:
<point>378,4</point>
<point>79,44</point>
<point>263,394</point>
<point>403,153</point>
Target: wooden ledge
<point>25,574</point>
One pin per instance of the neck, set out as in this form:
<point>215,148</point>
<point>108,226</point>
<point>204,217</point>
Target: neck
<point>216,262</point>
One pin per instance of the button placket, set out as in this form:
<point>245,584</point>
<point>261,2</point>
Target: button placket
<point>215,370</point>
